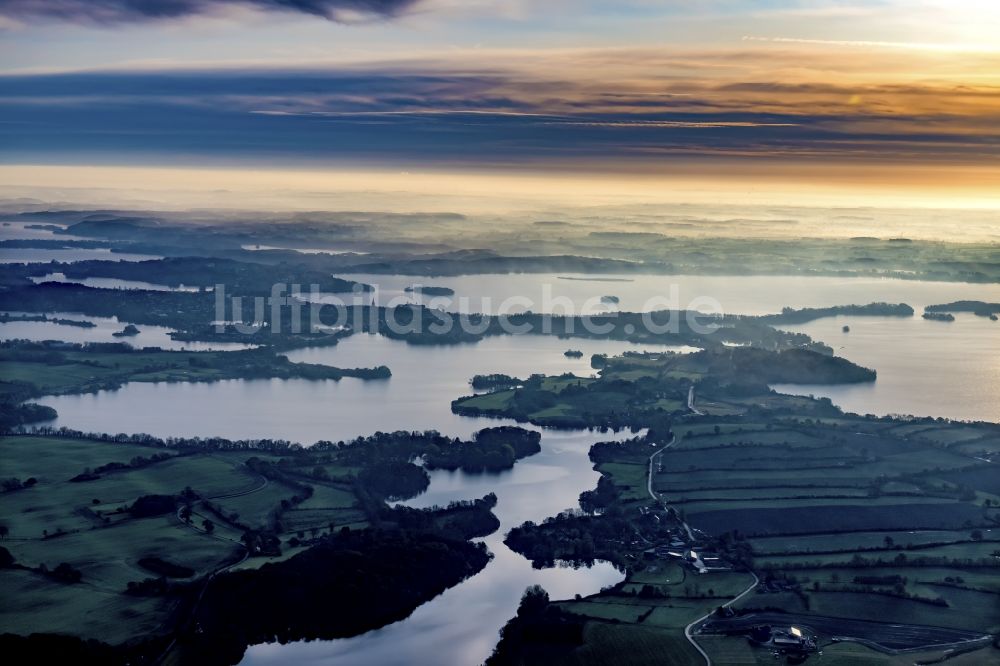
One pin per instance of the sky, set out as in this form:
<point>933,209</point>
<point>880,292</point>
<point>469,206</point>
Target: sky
<point>822,102</point>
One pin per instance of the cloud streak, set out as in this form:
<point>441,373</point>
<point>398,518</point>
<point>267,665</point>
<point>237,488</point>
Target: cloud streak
<point>395,116</point>
<point>919,46</point>
<point>597,109</point>
<point>98,12</point>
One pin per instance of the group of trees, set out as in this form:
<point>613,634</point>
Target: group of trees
<point>804,315</point>
<point>491,449</point>
<point>152,505</point>
<point>13,483</point>
<point>14,414</point>
<point>573,536</point>
<point>494,381</point>
<point>459,520</point>
<point>348,583</point>
<point>540,629</point>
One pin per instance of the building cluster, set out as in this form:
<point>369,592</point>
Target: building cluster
<point>790,641</point>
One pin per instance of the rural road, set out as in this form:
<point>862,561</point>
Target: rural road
<point>223,569</point>
<point>691,406</point>
<point>649,487</point>
<point>688,630</point>
<point>649,483</point>
<point>652,458</point>
<point>201,594</point>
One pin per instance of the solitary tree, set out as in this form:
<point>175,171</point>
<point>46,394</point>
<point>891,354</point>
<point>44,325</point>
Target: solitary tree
<point>533,602</point>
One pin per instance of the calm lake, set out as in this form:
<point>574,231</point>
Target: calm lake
<point>753,295</point>
<point>103,331</point>
<point>31,230</point>
<point>111,283</point>
<point>459,627</point>
<point>418,396</point>
<point>947,369</point>
<point>10,255</point>
<point>24,230</point>
<point>926,368</point>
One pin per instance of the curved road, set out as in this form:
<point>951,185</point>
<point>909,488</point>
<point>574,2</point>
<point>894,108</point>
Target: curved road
<point>201,594</point>
<point>691,406</point>
<point>688,630</point>
<point>223,569</point>
<point>649,483</point>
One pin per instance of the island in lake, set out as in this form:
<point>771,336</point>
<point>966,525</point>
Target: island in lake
<point>427,290</point>
<point>129,331</point>
<point>714,490</point>
<point>439,333</point>
<point>718,491</point>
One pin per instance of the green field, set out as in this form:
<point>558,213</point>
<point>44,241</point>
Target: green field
<point>491,401</point>
<point>974,606</point>
<point>828,493</point>
<point>983,614</point>
<point>634,645</point>
<point>736,651</point>
<point>34,603</point>
<point>33,369</point>
<point>86,524</point>
<point>84,369</point>
<point>57,459</point>
<point>631,477</point>
<point>852,541</point>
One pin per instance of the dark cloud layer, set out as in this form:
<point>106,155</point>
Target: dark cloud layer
<point>474,119</point>
<point>131,11</point>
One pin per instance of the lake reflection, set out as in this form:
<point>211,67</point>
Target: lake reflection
<point>33,230</point>
<point>103,331</point>
<point>750,294</point>
<point>460,626</point>
<point>112,283</point>
<point>10,255</point>
<point>925,368</point>
<point>418,396</point>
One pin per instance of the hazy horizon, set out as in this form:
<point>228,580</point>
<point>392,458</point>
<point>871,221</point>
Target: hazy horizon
<point>887,104</point>
<point>499,332</point>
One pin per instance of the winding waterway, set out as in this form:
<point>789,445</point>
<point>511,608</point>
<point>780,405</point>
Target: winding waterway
<point>924,367</point>
<point>460,626</point>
